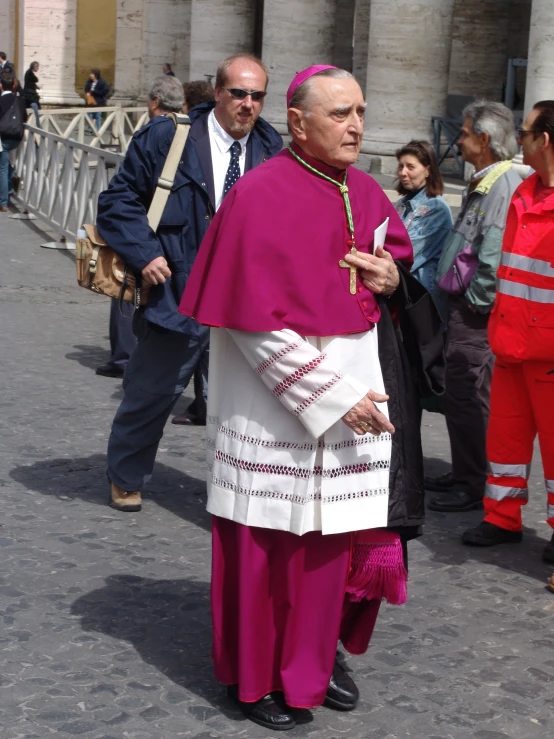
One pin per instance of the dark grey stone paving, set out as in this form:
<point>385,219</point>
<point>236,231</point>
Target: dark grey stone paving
<point>106,616</point>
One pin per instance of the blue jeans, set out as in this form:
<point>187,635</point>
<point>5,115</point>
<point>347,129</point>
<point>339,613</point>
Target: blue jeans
<point>6,171</point>
<point>157,372</point>
<point>36,109</point>
<point>122,338</point>
<point>97,118</point>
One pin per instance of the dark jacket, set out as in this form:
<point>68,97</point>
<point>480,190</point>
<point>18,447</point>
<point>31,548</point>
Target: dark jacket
<point>30,93</point>
<point>5,104</point>
<point>8,68</point>
<point>100,91</point>
<point>406,492</point>
<point>123,207</point>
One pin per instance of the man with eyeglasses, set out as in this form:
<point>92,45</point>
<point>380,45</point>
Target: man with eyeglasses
<point>466,272</point>
<point>227,138</point>
<point>521,335</point>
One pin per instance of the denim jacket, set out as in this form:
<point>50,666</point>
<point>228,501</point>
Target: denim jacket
<point>428,221</point>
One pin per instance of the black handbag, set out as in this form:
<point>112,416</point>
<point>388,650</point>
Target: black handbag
<point>422,334</point>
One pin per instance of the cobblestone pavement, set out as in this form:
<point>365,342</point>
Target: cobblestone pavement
<point>106,615</point>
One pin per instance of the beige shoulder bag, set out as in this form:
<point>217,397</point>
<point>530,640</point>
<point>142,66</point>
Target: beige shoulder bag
<point>99,267</point>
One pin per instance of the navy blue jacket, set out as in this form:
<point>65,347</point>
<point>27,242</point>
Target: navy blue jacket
<point>123,207</point>
<point>100,91</point>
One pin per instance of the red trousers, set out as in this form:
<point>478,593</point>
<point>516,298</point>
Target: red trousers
<point>522,406</point>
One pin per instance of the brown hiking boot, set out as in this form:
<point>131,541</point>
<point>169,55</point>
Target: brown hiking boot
<point>121,500</point>
<point>551,584</point>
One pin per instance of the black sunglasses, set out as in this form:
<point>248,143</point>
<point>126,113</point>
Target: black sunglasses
<point>239,94</point>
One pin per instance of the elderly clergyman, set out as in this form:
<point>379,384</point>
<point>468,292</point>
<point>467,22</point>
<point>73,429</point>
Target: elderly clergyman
<point>467,271</point>
<point>299,440</point>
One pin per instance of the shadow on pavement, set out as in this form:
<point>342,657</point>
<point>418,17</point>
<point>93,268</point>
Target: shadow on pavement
<point>168,623</point>
<point>84,478</point>
<point>89,356</point>
<point>442,537</point>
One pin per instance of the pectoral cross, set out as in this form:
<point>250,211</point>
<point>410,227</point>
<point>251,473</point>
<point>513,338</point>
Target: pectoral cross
<point>352,269</point>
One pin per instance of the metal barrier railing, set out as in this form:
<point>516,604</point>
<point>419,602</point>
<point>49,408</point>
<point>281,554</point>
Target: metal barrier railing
<point>117,128</point>
<point>61,179</point>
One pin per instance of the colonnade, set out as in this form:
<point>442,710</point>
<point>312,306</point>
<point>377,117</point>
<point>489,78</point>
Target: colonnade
<point>408,57</point>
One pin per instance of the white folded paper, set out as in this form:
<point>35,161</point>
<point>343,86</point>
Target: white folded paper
<point>380,234</point>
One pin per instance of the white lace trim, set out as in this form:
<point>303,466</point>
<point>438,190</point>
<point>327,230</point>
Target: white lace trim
<point>302,445</point>
<point>295,497</point>
<point>317,394</point>
<point>301,472</point>
<point>266,364</point>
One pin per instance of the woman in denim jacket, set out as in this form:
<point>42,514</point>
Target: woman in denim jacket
<point>424,212</point>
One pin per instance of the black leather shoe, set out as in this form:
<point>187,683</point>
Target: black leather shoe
<point>441,484</point>
<point>342,692</point>
<point>489,535</point>
<point>456,502</point>
<point>108,370</point>
<point>548,551</point>
<point>271,711</point>
<point>186,420</point>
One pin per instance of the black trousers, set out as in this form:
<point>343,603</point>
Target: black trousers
<point>466,401</point>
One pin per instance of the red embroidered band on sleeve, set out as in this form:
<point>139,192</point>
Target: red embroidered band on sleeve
<point>291,380</point>
<point>266,364</point>
<point>318,393</point>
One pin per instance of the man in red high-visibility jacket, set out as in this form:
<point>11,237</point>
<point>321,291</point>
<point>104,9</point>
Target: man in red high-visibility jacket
<point>521,335</point>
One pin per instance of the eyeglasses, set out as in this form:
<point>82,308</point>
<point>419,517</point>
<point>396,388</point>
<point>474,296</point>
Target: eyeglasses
<point>239,94</point>
<point>521,132</point>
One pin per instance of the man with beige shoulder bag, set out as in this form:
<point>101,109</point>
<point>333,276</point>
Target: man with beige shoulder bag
<point>226,138</point>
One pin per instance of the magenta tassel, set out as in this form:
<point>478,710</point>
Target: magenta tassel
<point>377,567</point>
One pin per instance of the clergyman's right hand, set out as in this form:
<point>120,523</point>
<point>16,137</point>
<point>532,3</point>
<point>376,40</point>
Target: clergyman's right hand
<point>366,418</point>
<point>156,272</point>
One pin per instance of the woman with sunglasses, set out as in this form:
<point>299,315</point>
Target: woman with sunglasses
<point>424,212</point>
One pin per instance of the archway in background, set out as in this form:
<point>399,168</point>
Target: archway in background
<point>96,29</point>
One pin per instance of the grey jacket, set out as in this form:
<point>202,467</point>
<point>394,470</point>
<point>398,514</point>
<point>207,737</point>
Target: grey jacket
<point>481,223</point>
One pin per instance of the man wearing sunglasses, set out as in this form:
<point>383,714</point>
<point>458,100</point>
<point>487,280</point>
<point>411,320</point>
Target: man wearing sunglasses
<point>227,138</point>
<point>521,334</point>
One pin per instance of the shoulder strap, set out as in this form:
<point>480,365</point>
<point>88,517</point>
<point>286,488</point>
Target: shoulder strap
<point>167,177</point>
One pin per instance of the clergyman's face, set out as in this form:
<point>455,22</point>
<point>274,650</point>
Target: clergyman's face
<point>238,117</point>
<point>333,126</point>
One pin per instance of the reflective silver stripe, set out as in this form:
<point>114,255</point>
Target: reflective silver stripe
<point>549,484</point>
<point>550,511</point>
<point>499,492</point>
<point>517,290</point>
<point>527,264</point>
<point>509,470</point>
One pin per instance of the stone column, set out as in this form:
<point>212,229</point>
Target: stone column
<point>48,34</point>
<point>407,73</point>
<point>344,34</point>
<point>8,29</point>
<point>479,44</point>
<point>165,38</point>
<point>295,35</point>
<point>218,29</point>
<point>128,52</point>
<point>361,41</point>
<point>540,68</point>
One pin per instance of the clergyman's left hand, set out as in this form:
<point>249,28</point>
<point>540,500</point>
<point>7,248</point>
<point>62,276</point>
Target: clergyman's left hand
<point>378,271</point>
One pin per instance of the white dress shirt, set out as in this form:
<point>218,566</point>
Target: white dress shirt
<point>220,145</point>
